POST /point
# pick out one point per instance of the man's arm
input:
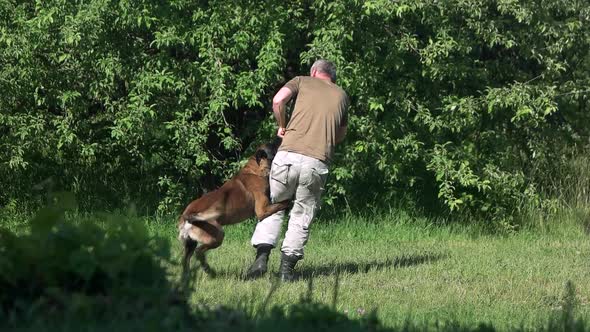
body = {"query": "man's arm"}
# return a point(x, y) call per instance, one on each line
point(278, 108)
point(340, 134)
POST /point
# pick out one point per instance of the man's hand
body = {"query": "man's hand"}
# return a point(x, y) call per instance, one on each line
point(281, 132)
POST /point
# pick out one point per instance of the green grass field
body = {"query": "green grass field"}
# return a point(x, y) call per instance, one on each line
point(404, 268)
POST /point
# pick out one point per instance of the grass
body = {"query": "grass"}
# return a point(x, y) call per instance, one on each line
point(403, 269)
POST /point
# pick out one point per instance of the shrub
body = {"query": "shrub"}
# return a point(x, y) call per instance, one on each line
point(463, 106)
point(58, 264)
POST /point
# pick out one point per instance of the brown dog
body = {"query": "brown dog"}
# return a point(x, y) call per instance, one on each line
point(244, 196)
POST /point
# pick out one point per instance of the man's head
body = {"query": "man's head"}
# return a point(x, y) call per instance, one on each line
point(323, 69)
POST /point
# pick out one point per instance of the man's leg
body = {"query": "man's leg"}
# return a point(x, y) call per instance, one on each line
point(268, 230)
point(282, 181)
point(307, 201)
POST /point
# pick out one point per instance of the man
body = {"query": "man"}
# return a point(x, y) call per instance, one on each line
point(300, 167)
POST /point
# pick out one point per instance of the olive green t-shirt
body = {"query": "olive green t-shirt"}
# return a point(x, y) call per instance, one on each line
point(320, 109)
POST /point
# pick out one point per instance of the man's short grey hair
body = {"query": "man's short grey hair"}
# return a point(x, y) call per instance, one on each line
point(326, 67)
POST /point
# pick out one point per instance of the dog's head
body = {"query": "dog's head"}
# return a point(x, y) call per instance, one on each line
point(267, 150)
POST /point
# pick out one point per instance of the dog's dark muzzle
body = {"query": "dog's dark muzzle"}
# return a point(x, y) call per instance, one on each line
point(268, 150)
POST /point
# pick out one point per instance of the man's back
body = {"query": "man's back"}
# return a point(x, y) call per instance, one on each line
point(320, 109)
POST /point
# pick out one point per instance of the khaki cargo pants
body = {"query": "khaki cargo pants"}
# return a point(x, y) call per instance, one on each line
point(301, 178)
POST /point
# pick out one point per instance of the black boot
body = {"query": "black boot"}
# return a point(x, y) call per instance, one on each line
point(287, 268)
point(259, 267)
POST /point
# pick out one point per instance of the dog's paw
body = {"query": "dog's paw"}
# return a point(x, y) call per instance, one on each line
point(211, 273)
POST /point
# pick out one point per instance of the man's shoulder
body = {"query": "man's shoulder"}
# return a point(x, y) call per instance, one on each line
point(317, 81)
point(341, 90)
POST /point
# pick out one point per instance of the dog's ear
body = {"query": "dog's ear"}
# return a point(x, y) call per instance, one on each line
point(260, 153)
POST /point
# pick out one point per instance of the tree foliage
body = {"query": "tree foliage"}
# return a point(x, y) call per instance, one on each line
point(465, 105)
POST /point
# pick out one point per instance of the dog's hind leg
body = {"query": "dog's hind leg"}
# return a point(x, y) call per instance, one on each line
point(200, 255)
point(209, 235)
point(189, 248)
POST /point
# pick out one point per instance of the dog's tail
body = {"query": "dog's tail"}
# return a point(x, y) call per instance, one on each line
point(192, 219)
point(199, 217)
point(184, 228)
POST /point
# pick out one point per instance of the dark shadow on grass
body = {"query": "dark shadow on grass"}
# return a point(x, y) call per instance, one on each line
point(220, 272)
point(308, 272)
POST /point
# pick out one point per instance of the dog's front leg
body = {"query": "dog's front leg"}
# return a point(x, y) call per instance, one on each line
point(264, 209)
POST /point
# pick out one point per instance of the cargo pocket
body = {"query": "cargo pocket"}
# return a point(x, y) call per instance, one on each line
point(280, 173)
point(316, 187)
point(319, 177)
